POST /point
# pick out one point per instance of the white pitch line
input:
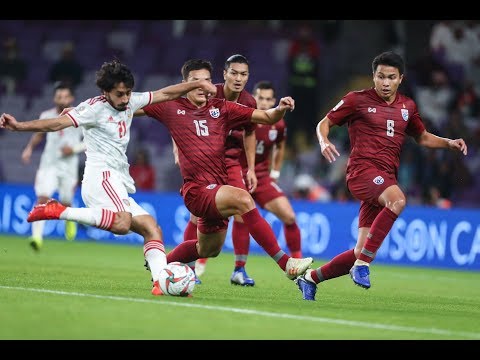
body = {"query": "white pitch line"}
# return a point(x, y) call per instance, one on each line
point(350, 323)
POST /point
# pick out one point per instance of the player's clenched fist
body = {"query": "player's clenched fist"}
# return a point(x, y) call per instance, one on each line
point(8, 122)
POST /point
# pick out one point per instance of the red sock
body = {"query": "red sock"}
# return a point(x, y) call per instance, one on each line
point(184, 252)
point(241, 243)
point(292, 237)
point(378, 231)
point(190, 232)
point(264, 236)
point(340, 265)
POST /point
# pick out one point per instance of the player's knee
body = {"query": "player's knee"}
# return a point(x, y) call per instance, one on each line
point(244, 202)
point(289, 219)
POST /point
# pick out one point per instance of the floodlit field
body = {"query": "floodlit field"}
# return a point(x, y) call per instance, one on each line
point(88, 290)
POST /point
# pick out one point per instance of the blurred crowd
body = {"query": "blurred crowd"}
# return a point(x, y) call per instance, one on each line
point(444, 81)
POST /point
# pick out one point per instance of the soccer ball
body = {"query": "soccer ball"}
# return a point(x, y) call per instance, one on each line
point(177, 279)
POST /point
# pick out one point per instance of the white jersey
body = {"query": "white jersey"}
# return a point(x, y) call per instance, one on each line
point(55, 141)
point(106, 134)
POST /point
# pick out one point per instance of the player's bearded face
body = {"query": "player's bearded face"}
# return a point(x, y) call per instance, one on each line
point(119, 97)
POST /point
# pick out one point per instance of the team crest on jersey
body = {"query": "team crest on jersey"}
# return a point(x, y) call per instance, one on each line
point(378, 180)
point(214, 112)
point(126, 202)
point(272, 134)
point(404, 114)
point(211, 186)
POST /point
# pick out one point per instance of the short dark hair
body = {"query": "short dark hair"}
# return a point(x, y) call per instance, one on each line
point(389, 58)
point(59, 85)
point(112, 73)
point(264, 85)
point(195, 64)
point(236, 59)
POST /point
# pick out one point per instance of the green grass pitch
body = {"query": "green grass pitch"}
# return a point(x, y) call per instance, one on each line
point(88, 290)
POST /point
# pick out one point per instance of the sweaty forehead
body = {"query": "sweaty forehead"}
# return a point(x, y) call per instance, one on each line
point(238, 67)
point(387, 70)
point(120, 87)
point(202, 74)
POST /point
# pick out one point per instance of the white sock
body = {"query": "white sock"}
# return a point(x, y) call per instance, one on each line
point(100, 218)
point(154, 252)
point(37, 229)
point(361, 262)
point(308, 276)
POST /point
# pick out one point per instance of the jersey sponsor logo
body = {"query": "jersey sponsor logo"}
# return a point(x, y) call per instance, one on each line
point(110, 119)
point(372, 110)
point(211, 186)
point(378, 180)
point(272, 134)
point(404, 114)
point(340, 103)
point(214, 112)
point(180, 112)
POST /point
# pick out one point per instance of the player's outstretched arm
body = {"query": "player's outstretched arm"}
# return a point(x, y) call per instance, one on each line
point(273, 115)
point(433, 141)
point(173, 92)
point(328, 149)
point(9, 122)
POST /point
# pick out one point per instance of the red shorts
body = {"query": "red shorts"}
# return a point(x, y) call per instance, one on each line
point(200, 201)
point(235, 176)
point(367, 184)
point(267, 190)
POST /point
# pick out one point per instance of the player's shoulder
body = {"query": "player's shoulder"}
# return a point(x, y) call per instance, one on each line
point(404, 99)
point(94, 102)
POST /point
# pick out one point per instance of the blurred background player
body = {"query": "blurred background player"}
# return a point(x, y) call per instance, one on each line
point(106, 186)
point(239, 141)
point(379, 120)
point(270, 149)
point(59, 163)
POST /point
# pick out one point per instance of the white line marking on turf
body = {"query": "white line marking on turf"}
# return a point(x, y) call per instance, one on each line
point(264, 313)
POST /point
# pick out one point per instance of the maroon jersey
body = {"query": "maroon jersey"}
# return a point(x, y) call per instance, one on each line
point(234, 144)
point(266, 137)
point(200, 134)
point(376, 130)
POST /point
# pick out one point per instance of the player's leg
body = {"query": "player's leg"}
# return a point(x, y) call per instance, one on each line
point(271, 197)
point(107, 205)
point(234, 201)
point(153, 245)
point(377, 189)
point(241, 248)
point(45, 185)
point(393, 202)
point(190, 233)
point(66, 192)
point(240, 234)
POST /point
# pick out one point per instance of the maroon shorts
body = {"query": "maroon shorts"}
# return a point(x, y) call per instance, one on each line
point(367, 184)
point(235, 176)
point(267, 190)
point(200, 201)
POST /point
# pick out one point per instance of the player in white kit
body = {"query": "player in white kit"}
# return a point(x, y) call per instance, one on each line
point(58, 168)
point(106, 184)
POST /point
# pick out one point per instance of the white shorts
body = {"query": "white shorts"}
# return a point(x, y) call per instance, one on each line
point(51, 179)
point(104, 189)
